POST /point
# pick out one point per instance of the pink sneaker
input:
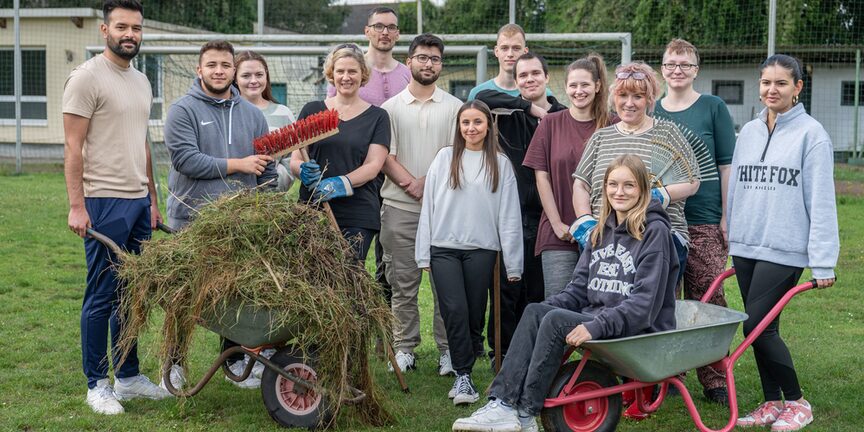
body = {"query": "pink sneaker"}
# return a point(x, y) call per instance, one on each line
point(764, 415)
point(795, 416)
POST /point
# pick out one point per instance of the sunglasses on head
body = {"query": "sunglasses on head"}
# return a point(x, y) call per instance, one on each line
point(350, 46)
point(634, 75)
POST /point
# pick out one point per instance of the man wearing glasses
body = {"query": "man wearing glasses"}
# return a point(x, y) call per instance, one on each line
point(422, 121)
point(389, 76)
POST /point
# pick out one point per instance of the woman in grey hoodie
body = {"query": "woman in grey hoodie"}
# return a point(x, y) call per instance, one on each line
point(623, 285)
point(782, 218)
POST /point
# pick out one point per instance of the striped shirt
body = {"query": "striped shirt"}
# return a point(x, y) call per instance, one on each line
point(656, 147)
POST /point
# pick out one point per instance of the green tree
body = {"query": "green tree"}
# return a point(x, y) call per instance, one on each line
point(305, 16)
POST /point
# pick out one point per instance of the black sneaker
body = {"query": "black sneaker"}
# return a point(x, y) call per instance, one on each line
point(465, 392)
point(718, 395)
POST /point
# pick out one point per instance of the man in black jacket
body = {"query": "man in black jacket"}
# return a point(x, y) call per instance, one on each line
point(517, 119)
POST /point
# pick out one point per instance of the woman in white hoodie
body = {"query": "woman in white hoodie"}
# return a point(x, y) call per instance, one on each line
point(782, 218)
point(470, 212)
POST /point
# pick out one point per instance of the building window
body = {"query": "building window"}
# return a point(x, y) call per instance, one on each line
point(280, 92)
point(847, 93)
point(461, 88)
point(732, 92)
point(151, 65)
point(34, 104)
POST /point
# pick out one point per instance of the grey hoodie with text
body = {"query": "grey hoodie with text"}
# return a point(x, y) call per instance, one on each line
point(628, 285)
point(780, 202)
point(202, 133)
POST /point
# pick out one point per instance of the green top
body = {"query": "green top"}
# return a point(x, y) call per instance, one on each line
point(707, 119)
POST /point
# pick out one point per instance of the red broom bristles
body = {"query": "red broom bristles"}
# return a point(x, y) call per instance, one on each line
point(301, 133)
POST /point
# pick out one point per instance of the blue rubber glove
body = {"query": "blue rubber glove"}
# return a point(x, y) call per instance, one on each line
point(310, 173)
point(662, 195)
point(333, 187)
point(582, 228)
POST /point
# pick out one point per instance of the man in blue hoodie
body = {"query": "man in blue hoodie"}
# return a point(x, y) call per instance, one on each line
point(209, 133)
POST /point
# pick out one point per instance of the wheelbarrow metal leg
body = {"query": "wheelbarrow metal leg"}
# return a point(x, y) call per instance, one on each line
point(220, 362)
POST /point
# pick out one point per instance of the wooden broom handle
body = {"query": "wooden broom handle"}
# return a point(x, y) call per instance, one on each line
point(391, 356)
point(305, 156)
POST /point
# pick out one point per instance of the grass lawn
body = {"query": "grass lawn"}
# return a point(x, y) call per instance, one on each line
point(42, 274)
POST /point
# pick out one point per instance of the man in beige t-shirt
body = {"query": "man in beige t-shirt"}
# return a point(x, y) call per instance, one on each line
point(422, 121)
point(109, 180)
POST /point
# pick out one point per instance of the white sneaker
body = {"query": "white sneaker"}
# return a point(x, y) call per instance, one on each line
point(178, 378)
point(466, 393)
point(493, 417)
point(237, 368)
point(258, 369)
point(138, 386)
point(404, 360)
point(102, 400)
point(445, 365)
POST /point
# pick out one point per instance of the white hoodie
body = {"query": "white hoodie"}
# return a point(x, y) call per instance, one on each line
point(780, 203)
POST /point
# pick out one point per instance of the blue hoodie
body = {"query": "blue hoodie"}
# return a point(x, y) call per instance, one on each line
point(202, 133)
point(780, 202)
point(628, 285)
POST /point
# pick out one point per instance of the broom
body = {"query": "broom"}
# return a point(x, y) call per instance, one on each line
point(298, 135)
point(670, 160)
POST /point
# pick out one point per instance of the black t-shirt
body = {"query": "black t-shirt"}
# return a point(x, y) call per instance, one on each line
point(345, 152)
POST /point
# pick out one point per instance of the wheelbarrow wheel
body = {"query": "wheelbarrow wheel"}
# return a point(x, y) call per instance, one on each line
point(290, 404)
point(596, 415)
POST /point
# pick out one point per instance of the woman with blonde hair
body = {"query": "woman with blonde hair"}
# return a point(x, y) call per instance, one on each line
point(633, 95)
point(623, 285)
point(343, 168)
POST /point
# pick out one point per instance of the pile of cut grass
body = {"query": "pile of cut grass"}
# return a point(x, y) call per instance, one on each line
point(265, 251)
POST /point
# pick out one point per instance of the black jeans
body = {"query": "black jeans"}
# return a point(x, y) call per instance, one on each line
point(762, 284)
point(535, 356)
point(462, 278)
point(515, 296)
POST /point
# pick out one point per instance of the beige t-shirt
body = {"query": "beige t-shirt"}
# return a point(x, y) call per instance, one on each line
point(117, 102)
point(418, 129)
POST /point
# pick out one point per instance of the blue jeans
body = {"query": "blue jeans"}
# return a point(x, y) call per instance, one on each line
point(535, 356)
point(682, 251)
point(127, 222)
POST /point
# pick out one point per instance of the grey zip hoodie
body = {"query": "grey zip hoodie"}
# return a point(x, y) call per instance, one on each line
point(780, 203)
point(628, 285)
point(202, 133)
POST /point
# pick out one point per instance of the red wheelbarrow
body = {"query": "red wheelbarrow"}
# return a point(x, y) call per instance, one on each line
point(586, 394)
point(289, 384)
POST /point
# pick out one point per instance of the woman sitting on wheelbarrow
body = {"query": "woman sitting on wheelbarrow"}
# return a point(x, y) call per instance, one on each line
point(623, 285)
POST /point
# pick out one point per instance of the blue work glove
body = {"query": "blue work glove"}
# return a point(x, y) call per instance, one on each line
point(310, 173)
point(582, 228)
point(333, 187)
point(662, 195)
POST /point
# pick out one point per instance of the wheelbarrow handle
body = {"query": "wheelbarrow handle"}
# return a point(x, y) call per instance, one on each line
point(165, 228)
point(105, 240)
point(767, 319)
point(718, 282)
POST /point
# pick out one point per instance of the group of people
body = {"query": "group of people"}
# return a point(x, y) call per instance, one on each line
point(566, 200)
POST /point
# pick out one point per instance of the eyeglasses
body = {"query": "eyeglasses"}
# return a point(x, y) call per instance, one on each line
point(392, 28)
point(625, 75)
point(423, 58)
point(684, 67)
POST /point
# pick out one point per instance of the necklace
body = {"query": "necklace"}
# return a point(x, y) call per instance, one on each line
point(631, 131)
